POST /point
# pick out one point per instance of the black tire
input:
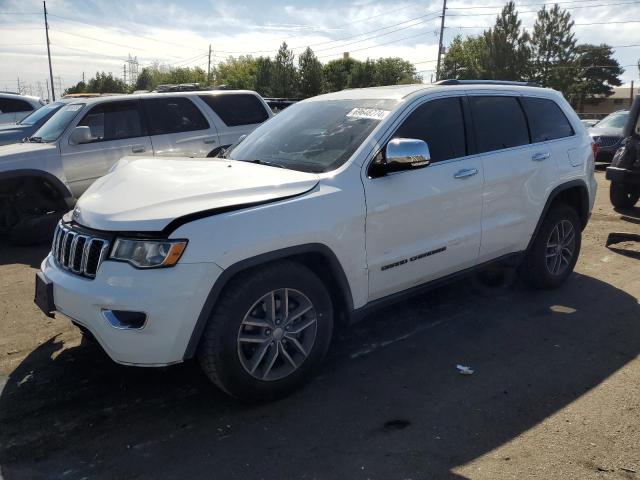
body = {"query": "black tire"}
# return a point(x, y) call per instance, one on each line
point(34, 230)
point(534, 270)
point(219, 351)
point(623, 195)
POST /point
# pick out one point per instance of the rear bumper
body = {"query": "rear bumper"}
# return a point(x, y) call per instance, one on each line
point(623, 175)
point(171, 298)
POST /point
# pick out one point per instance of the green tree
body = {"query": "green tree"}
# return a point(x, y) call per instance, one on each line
point(310, 74)
point(363, 74)
point(101, 83)
point(464, 59)
point(554, 49)
point(337, 73)
point(144, 80)
point(264, 72)
point(394, 71)
point(284, 76)
point(507, 53)
point(237, 72)
point(597, 73)
point(79, 87)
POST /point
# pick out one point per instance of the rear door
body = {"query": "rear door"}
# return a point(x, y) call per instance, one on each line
point(117, 130)
point(178, 128)
point(238, 113)
point(517, 172)
point(424, 224)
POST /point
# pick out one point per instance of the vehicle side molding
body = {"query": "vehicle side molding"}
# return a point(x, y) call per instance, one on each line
point(332, 263)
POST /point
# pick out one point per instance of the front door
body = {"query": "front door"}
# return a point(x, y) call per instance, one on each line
point(425, 224)
point(116, 131)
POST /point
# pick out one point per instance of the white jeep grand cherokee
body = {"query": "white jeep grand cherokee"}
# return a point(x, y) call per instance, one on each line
point(339, 204)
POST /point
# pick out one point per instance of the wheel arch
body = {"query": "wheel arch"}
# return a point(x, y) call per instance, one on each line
point(574, 194)
point(316, 256)
point(45, 178)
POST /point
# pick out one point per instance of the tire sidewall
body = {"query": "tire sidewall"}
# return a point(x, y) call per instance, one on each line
point(561, 212)
point(235, 379)
point(623, 195)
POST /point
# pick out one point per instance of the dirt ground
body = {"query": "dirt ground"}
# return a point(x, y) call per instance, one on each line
point(555, 393)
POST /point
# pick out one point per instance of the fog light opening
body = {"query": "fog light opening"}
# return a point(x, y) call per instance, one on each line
point(125, 320)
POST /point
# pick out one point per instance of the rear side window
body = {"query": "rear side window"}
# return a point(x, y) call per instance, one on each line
point(173, 115)
point(546, 120)
point(440, 123)
point(237, 109)
point(499, 123)
point(113, 121)
point(13, 105)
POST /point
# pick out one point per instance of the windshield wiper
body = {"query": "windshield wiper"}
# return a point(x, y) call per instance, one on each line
point(35, 139)
point(270, 164)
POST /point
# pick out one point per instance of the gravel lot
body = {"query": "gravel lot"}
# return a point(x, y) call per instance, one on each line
point(555, 393)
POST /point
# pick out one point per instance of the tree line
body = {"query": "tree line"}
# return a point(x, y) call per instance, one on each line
point(280, 77)
point(549, 55)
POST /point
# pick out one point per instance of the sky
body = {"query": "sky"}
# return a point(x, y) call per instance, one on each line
point(90, 35)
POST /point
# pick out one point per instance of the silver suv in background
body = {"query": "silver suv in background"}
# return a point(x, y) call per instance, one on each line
point(43, 177)
point(14, 107)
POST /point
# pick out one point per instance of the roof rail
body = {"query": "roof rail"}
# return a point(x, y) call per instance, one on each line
point(486, 82)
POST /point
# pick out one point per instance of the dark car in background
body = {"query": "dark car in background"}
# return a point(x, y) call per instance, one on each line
point(624, 171)
point(15, 132)
point(607, 134)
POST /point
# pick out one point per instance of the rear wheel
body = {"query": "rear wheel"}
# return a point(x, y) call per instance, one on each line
point(268, 333)
point(623, 195)
point(554, 252)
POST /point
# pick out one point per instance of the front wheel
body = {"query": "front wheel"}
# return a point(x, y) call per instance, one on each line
point(268, 333)
point(555, 249)
point(623, 195)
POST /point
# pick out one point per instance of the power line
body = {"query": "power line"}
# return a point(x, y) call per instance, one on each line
point(378, 45)
point(575, 24)
point(579, 2)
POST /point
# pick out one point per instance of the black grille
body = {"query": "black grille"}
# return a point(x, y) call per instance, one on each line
point(608, 141)
point(78, 252)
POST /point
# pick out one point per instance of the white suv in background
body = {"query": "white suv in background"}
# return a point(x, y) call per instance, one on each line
point(86, 137)
point(14, 107)
point(337, 205)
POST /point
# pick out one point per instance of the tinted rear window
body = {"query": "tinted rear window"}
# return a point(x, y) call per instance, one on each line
point(237, 109)
point(546, 120)
point(499, 123)
point(173, 115)
point(12, 105)
point(440, 123)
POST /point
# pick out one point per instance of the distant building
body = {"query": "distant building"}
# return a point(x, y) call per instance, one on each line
point(599, 107)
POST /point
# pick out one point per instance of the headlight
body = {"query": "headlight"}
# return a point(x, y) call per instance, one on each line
point(148, 253)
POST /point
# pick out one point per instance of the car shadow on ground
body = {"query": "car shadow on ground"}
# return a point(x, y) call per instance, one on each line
point(389, 402)
point(32, 255)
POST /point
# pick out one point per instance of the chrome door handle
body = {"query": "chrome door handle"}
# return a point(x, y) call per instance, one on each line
point(540, 156)
point(209, 140)
point(466, 172)
point(137, 149)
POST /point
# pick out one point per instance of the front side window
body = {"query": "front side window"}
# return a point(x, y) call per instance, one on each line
point(173, 115)
point(313, 136)
point(57, 124)
point(546, 119)
point(440, 123)
point(14, 105)
point(113, 121)
point(499, 123)
point(237, 108)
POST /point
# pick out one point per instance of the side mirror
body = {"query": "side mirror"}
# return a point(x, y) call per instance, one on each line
point(80, 135)
point(402, 154)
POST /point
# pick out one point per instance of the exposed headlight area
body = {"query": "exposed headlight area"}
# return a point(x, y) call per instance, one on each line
point(148, 253)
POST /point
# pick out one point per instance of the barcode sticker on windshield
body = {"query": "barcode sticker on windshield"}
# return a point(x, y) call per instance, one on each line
point(371, 113)
point(74, 108)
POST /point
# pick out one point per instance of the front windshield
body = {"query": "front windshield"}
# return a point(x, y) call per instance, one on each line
point(53, 128)
point(616, 120)
point(39, 114)
point(316, 136)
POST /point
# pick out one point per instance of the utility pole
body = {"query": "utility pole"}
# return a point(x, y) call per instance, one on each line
point(124, 73)
point(444, 9)
point(46, 27)
point(46, 81)
point(82, 77)
point(209, 67)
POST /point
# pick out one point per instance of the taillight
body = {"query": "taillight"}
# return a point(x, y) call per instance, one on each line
point(595, 148)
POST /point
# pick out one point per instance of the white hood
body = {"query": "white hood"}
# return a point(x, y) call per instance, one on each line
point(146, 194)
